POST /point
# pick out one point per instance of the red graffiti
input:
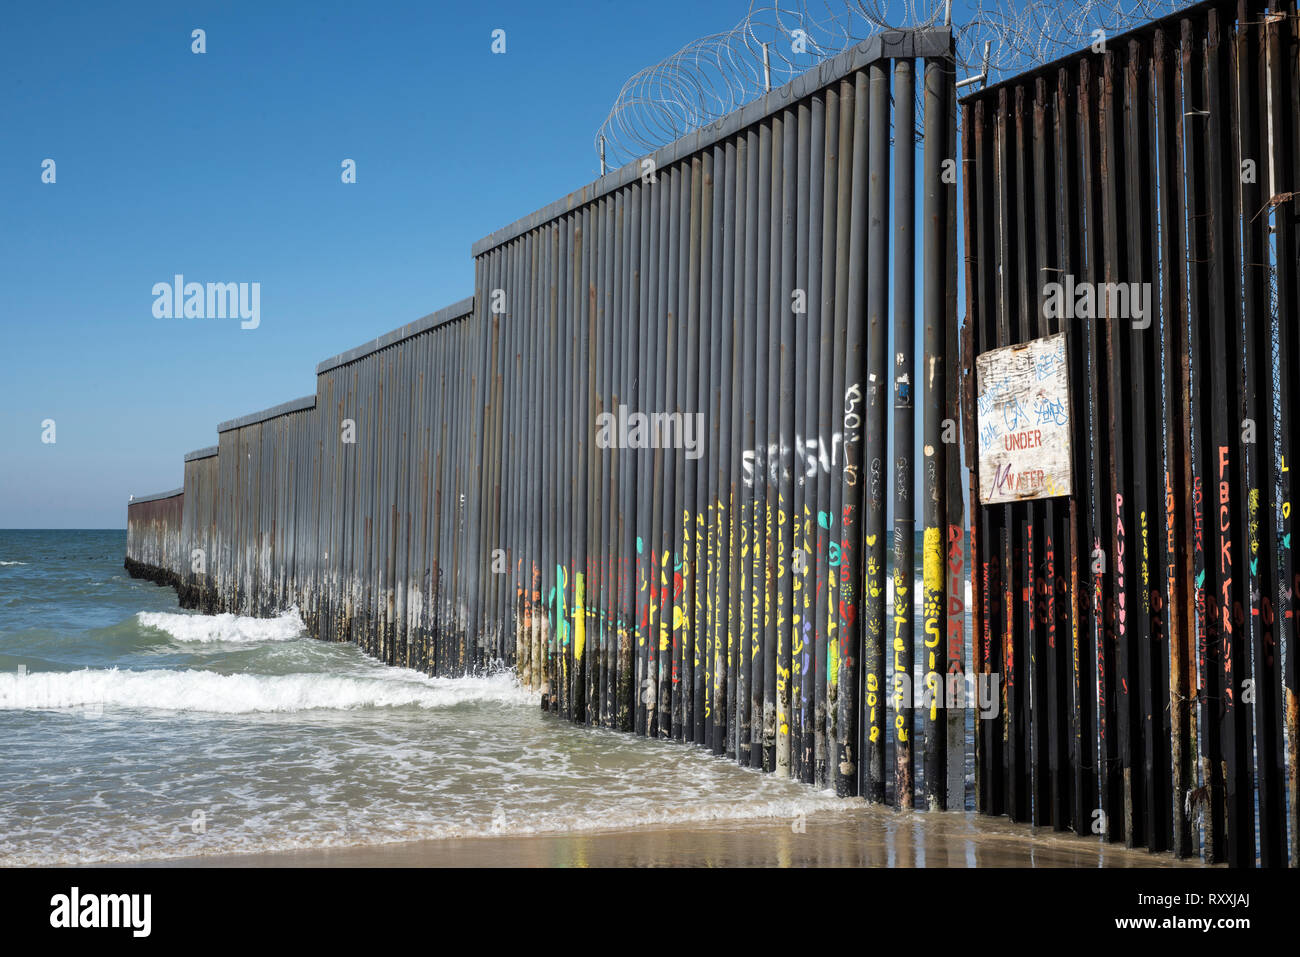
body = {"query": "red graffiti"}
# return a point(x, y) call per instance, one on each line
point(848, 613)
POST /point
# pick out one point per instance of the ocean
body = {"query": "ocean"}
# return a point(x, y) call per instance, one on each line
point(131, 730)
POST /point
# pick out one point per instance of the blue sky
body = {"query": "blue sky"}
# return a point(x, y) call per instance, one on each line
point(225, 166)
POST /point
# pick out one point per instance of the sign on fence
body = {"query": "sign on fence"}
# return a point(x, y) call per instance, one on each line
point(1024, 421)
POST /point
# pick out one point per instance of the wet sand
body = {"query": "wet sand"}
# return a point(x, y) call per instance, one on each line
point(857, 837)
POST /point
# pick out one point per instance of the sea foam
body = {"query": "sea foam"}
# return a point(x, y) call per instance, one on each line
point(235, 629)
point(209, 691)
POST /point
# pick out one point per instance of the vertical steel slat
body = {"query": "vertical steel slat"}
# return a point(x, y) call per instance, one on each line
point(702, 404)
point(760, 525)
point(1284, 177)
point(721, 481)
point(1279, 154)
point(828, 451)
point(736, 489)
point(1224, 275)
point(956, 571)
point(1200, 311)
point(1052, 787)
point(1010, 534)
point(670, 698)
point(785, 517)
point(934, 232)
point(865, 410)
point(1173, 541)
point(814, 666)
point(837, 689)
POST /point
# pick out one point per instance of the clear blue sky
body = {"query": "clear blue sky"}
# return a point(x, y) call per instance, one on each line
point(226, 167)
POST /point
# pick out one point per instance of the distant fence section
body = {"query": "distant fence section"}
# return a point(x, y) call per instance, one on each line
point(348, 504)
point(1143, 201)
point(154, 542)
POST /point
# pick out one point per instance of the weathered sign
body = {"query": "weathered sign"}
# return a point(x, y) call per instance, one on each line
point(1024, 421)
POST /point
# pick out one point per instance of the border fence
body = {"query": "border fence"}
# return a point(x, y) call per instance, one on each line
point(690, 460)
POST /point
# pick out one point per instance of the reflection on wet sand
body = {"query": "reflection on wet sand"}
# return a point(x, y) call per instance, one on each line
point(857, 837)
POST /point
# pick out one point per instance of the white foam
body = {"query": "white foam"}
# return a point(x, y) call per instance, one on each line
point(234, 629)
point(13, 563)
point(626, 816)
point(209, 691)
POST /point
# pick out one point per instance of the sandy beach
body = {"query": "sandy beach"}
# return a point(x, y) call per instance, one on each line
point(857, 837)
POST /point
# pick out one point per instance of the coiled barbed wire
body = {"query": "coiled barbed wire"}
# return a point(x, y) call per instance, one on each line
point(780, 39)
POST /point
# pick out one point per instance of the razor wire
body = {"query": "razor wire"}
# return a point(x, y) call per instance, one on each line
point(715, 75)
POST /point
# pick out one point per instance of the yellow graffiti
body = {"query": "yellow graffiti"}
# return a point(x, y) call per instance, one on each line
point(579, 616)
point(1142, 524)
point(874, 577)
point(933, 578)
point(873, 698)
point(901, 664)
point(767, 569)
point(932, 685)
point(1253, 504)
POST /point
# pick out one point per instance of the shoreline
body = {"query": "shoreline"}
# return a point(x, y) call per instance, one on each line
point(856, 837)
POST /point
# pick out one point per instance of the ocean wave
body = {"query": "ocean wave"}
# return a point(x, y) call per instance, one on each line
point(13, 563)
point(209, 691)
point(235, 629)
